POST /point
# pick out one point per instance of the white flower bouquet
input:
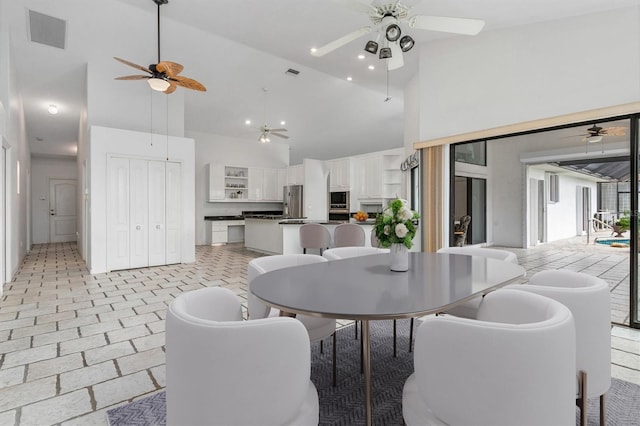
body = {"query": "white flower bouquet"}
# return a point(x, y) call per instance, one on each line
point(395, 224)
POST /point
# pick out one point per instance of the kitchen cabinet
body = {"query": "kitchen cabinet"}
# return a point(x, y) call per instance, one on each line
point(340, 174)
point(256, 179)
point(270, 185)
point(220, 230)
point(282, 182)
point(235, 183)
point(379, 177)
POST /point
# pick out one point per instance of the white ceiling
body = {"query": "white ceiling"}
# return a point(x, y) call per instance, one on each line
point(327, 116)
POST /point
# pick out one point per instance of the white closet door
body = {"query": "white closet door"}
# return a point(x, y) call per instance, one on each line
point(139, 213)
point(173, 213)
point(157, 230)
point(118, 214)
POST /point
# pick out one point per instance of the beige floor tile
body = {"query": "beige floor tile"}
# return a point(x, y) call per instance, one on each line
point(108, 352)
point(87, 376)
point(11, 376)
point(54, 366)
point(122, 389)
point(82, 344)
point(27, 356)
point(26, 393)
point(57, 409)
point(141, 361)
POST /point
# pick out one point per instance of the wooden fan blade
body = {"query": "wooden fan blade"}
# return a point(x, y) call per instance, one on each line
point(131, 64)
point(189, 83)
point(172, 88)
point(278, 130)
point(279, 135)
point(133, 77)
point(171, 69)
point(616, 131)
point(576, 136)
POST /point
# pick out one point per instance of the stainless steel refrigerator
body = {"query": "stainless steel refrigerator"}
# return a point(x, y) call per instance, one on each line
point(293, 205)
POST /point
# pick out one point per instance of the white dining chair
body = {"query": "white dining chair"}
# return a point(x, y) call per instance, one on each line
point(318, 328)
point(514, 365)
point(589, 300)
point(469, 309)
point(222, 370)
point(348, 235)
point(314, 236)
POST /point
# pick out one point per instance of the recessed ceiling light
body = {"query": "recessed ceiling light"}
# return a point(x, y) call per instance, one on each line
point(247, 121)
point(282, 123)
point(371, 67)
point(361, 56)
point(52, 109)
point(349, 78)
point(313, 50)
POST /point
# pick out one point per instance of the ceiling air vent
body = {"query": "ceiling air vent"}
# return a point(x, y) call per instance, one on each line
point(47, 30)
point(292, 72)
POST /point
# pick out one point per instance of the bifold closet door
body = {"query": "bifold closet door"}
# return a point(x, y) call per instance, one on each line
point(118, 219)
point(173, 213)
point(139, 213)
point(157, 202)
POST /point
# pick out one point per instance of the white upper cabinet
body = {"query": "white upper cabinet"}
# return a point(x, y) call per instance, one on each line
point(270, 185)
point(216, 182)
point(340, 174)
point(256, 179)
point(378, 177)
point(238, 183)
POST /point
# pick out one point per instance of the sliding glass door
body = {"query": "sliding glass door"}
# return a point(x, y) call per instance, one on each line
point(634, 301)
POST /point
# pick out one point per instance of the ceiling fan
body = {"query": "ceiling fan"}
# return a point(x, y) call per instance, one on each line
point(163, 76)
point(596, 133)
point(386, 19)
point(266, 131)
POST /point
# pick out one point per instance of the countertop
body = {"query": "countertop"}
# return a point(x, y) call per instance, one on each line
point(224, 217)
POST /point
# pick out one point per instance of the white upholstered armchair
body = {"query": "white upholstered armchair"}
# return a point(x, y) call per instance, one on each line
point(514, 365)
point(589, 300)
point(225, 371)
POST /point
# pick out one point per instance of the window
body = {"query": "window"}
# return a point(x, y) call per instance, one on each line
point(472, 153)
point(554, 188)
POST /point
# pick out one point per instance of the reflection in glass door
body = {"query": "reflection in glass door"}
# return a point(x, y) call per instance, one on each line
point(470, 198)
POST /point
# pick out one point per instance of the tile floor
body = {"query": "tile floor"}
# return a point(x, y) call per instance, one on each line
point(73, 345)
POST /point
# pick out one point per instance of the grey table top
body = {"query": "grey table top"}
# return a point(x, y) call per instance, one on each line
point(364, 287)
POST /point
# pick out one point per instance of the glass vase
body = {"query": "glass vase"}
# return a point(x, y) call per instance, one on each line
point(399, 254)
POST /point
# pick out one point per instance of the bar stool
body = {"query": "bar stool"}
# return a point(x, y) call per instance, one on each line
point(348, 235)
point(374, 239)
point(314, 236)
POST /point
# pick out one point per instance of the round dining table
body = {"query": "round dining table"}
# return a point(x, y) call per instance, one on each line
point(364, 289)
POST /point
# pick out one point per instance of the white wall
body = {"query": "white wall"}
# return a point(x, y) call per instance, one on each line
point(105, 142)
point(13, 139)
point(233, 152)
point(42, 170)
point(530, 72)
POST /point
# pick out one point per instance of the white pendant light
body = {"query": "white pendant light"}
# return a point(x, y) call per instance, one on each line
point(158, 84)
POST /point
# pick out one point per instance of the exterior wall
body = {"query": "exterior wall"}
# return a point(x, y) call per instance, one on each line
point(43, 169)
point(104, 142)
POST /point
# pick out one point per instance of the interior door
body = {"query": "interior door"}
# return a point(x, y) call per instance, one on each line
point(138, 213)
point(62, 210)
point(157, 230)
point(173, 213)
point(118, 214)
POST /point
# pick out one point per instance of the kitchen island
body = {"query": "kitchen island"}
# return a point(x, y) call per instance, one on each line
point(275, 235)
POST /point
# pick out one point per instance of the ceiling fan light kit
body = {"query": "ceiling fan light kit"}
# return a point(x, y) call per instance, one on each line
point(371, 47)
point(388, 19)
point(385, 53)
point(594, 139)
point(158, 84)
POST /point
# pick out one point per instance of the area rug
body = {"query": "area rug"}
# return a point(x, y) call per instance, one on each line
point(343, 405)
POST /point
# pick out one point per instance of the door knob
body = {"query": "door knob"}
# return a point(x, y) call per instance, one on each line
point(138, 227)
point(158, 226)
